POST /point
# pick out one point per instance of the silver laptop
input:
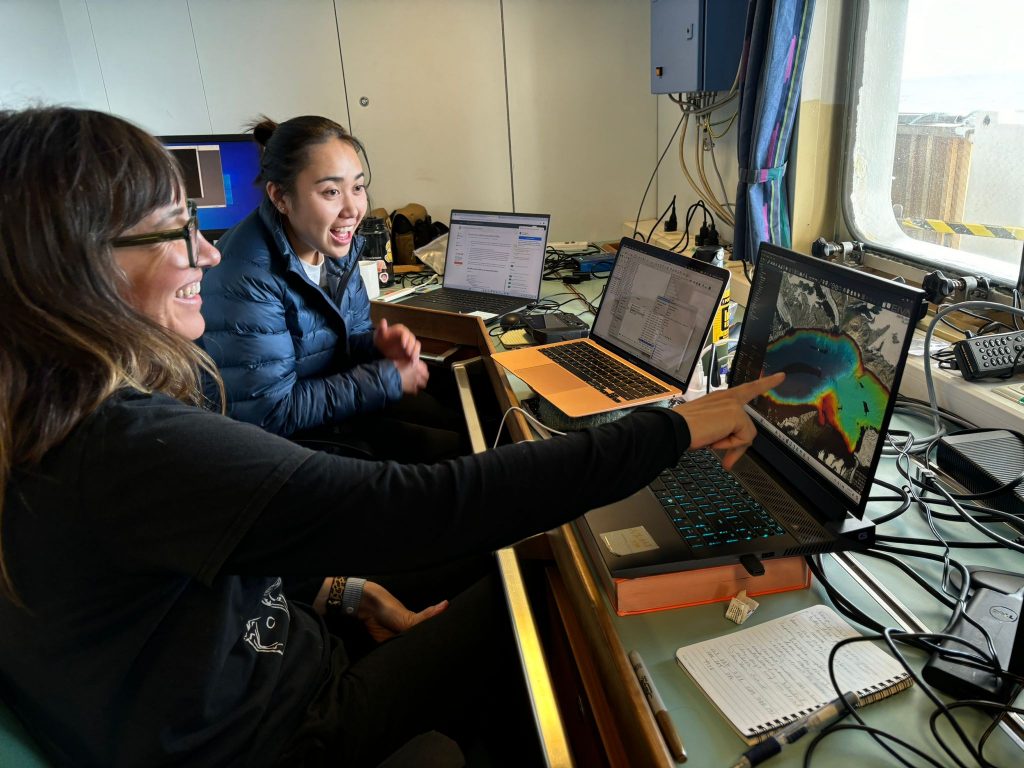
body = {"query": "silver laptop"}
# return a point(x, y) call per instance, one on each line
point(841, 336)
point(493, 265)
point(652, 324)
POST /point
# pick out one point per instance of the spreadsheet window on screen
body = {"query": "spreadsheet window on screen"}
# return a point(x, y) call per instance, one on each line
point(654, 308)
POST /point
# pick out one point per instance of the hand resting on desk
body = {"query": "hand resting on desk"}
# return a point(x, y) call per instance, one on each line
point(718, 420)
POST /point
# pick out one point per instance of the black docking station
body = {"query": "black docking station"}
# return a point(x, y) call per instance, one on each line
point(995, 604)
point(984, 460)
point(555, 326)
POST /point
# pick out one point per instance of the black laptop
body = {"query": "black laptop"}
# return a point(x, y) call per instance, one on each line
point(841, 336)
point(494, 264)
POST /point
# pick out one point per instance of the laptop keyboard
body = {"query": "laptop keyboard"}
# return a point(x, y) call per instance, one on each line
point(708, 506)
point(455, 300)
point(613, 379)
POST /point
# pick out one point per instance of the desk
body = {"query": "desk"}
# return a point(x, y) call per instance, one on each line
point(574, 647)
point(594, 640)
point(708, 738)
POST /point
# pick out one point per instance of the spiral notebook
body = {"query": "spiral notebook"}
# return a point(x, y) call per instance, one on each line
point(764, 677)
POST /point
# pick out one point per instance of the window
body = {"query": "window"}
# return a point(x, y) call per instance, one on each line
point(935, 156)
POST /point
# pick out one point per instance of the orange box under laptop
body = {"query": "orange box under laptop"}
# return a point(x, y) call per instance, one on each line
point(680, 589)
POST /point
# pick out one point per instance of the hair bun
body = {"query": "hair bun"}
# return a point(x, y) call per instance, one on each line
point(263, 129)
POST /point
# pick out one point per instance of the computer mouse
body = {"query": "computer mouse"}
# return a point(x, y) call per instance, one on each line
point(511, 320)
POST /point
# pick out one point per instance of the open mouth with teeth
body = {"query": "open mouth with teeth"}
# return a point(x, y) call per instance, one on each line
point(342, 235)
point(188, 292)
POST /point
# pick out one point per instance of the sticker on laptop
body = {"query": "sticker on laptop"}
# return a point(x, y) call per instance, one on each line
point(628, 541)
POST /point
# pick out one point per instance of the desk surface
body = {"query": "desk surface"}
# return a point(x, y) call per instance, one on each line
point(708, 738)
point(599, 639)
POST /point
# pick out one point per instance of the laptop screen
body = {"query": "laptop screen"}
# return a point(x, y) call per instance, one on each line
point(220, 175)
point(500, 253)
point(658, 308)
point(841, 336)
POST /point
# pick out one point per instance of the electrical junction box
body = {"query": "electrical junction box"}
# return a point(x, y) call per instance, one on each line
point(696, 44)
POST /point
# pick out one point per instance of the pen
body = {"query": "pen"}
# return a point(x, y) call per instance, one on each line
point(828, 714)
point(675, 746)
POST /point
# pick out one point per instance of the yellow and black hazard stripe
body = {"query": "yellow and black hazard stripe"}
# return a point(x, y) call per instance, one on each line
point(960, 228)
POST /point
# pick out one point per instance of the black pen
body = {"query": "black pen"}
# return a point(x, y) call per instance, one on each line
point(828, 714)
point(675, 745)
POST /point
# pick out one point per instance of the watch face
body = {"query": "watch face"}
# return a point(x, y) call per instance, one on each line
point(383, 273)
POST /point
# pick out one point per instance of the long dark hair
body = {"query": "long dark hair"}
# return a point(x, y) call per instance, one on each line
point(70, 181)
point(285, 146)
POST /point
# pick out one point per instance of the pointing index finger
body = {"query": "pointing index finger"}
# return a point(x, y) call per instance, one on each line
point(748, 391)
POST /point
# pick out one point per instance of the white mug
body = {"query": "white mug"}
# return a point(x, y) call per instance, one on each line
point(368, 271)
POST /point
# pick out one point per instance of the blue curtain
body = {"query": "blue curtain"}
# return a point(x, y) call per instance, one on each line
point(774, 51)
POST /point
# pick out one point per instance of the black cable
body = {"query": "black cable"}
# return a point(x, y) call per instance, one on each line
point(654, 173)
point(1004, 710)
point(956, 328)
point(1013, 368)
point(886, 539)
point(684, 241)
point(903, 498)
point(965, 585)
point(819, 737)
point(880, 554)
point(668, 208)
point(888, 635)
point(1010, 544)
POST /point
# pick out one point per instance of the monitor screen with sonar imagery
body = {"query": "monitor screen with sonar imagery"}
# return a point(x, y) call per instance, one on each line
point(841, 338)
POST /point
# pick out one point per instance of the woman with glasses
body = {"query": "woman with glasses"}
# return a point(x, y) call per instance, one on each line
point(142, 538)
point(288, 317)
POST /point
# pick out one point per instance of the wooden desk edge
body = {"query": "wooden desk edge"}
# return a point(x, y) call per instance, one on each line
point(625, 696)
point(634, 720)
point(548, 718)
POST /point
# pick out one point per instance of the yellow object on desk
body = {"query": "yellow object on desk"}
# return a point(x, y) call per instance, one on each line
point(514, 338)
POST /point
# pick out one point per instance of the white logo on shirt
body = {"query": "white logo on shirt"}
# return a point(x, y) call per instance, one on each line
point(260, 632)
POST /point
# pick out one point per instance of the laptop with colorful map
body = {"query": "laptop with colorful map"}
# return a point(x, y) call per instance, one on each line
point(841, 336)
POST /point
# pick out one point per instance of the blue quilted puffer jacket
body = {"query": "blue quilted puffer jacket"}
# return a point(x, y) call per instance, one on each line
point(293, 356)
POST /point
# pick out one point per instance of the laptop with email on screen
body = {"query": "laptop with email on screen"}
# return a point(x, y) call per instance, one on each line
point(647, 338)
point(494, 264)
point(841, 336)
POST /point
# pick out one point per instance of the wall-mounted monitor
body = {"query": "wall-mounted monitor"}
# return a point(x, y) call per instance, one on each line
point(220, 171)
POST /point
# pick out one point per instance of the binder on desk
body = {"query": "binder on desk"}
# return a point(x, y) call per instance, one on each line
point(764, 677)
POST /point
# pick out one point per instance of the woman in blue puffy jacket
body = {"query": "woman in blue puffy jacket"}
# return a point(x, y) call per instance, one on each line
point(287, 315)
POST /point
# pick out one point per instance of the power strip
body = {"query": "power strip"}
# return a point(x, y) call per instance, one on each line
point(571, 246)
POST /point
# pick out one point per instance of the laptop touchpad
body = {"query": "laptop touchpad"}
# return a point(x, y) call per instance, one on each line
point(552, 378)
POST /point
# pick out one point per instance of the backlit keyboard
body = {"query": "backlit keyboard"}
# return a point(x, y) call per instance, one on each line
point(708, 506)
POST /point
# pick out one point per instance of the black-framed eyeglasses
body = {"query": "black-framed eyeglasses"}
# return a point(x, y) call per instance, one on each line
point(189, 233)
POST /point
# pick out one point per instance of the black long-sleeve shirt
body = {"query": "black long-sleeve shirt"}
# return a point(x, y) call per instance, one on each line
point(141, 644)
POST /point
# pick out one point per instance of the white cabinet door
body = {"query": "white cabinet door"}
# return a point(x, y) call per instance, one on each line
point(35, 59)
point(147, 57)
point(583, 120)
point(268, 57)
point(434, 122)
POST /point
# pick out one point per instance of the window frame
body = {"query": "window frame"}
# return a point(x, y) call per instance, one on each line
point(873, 99)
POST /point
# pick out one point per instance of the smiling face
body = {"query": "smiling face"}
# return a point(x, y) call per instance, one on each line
point(161, 284)
point(327, 203)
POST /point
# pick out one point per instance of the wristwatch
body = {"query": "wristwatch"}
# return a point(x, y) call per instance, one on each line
point(345, 594)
